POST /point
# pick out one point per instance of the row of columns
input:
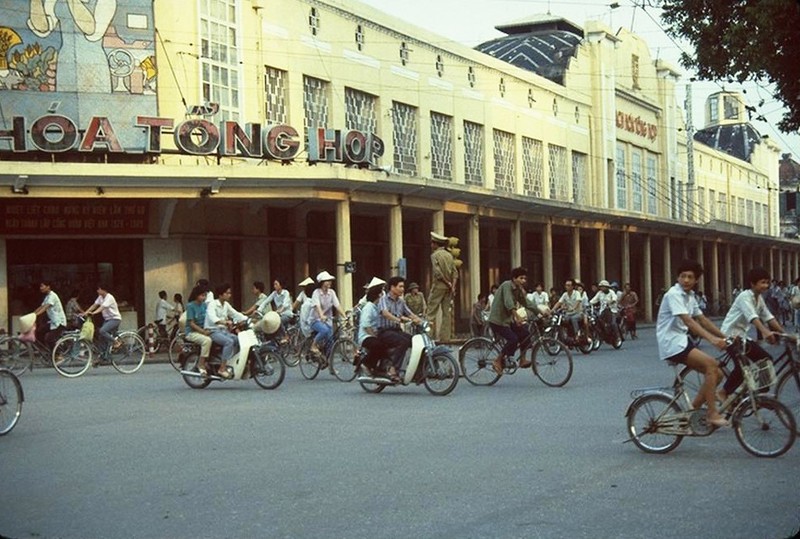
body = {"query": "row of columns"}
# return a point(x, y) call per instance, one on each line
point(782, 264)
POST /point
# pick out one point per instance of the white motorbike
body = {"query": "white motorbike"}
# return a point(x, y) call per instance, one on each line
point(425, 363)
point(260, 361)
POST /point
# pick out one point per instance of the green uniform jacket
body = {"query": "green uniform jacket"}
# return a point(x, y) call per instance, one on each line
point(444, 267)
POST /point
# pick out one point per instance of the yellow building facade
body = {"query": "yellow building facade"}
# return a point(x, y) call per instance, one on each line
point(244, 140)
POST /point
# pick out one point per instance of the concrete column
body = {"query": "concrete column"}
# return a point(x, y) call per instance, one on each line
point(779, 255)
point(547, 255)
point(301, 269)
point(647, 288)
point(576, 254)
point(438, 222)
point(4, 316)
point(667, 258)
point(344, 281)
point(715, 287)
point(771, 262)
point(474, 253)
point(740, 266)
point(626, 257)
point(395, 237)
point(516, 246)
point(701, 283)
point(727, 281)
point(601, 255)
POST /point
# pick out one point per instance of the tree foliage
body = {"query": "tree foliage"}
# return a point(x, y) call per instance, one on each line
point(741, 40)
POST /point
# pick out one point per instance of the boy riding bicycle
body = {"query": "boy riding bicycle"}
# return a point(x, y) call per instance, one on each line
point(679, 313)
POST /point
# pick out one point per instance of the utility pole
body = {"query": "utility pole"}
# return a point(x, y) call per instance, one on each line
point(690, 184)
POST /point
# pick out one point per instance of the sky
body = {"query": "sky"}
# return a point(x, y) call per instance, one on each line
point(471, 22)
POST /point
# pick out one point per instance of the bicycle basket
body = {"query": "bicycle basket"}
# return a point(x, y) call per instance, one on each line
point(760, 374)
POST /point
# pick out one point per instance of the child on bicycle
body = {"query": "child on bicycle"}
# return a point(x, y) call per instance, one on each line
point(749, 308)
point(505, 322)
point(679, 313)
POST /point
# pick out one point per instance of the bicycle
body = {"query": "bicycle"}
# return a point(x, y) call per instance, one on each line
point(659, 418)
point(11, 398)
point(19, 354)
point(551, 359)
point(72, 355)
point(171, 340)
point(338, 355)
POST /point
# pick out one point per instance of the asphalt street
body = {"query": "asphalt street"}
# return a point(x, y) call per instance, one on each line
point(108, 455)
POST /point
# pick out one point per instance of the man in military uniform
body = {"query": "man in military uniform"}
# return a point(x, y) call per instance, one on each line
point(415, 300)
point(443, 286)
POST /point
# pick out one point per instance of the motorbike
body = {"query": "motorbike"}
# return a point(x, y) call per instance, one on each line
point(560, 329)
point(259, 360)
point(425, 363)
point(602, 330)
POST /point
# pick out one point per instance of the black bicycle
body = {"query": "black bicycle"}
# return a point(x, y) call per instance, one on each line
point(11, 398)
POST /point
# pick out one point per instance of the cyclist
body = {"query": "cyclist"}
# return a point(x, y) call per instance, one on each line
point(607, 299)
point(163, 308)
point(195, 320)
point(261, 306)
point(506, 323)
point(749, 308)
point(572, 302)
point(55, 313)
point(325, 302)
point(221, 317)
point(680, 313)
point(282, 300)
point(107, 304)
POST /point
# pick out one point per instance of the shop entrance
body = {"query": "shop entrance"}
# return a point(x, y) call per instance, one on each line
point(76, 265)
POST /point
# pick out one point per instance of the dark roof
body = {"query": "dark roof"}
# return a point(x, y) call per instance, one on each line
point(737, 140)
point(541, 45)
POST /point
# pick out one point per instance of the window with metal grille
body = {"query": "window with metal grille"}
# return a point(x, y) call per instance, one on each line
point(404, 133)
point(652, 184)
point(559, 174)
point(441, 146)
point(439, 65)
point(277, 96)
point(471, 76)
point(712, 204)
point(315, 104)
point(742, 217)
point(505, 173)
point(473, 153)
point(361, 111)
point(723, 207)
point(313, 21)
point(636, 176)
point(580, 180)
point(701, 203)
point(750, 219)
point(219, 57)
point(403, 53)
point(622, 179)
point(532, 167)
point(360, 37)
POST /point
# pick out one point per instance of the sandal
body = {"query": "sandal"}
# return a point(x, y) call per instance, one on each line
point(718, 422)
point(203, 372)
point(226, 373)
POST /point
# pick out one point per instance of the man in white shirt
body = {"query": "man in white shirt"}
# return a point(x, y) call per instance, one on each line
point(749, 308)
point(607, 300)
point(679, 313)
point(572, 302)
point(220, 319)
point(261, 306)
point(51, 304)
point(107, 304)
point(163, 308)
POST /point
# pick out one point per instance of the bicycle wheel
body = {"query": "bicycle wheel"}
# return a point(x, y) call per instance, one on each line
point(476, 357)
point(441, 373)
point(192, 377)
point(291, 350)
point(645, 423)
point(15, 355)
point(764, 427)
point(555, 370)
point(72, 356)
point(788, 392)
point(267, 368)
point(309, 362)
point(342, 355)
point(127, 352)
point(11, 398)
point(617, 342)
point(597, 340)
point(174, 352)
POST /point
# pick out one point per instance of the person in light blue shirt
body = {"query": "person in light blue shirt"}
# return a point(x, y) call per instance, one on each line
point(368, 326)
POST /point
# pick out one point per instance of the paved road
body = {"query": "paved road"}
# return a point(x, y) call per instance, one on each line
point(108, 455)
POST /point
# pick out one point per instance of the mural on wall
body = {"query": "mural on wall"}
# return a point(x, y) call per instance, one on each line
point(78, 58)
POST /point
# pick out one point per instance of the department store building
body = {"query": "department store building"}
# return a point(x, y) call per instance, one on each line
point(244, 140)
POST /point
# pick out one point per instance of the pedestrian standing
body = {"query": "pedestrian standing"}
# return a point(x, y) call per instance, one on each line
point(416, 300)
point(477, 319)
point(443, 286)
